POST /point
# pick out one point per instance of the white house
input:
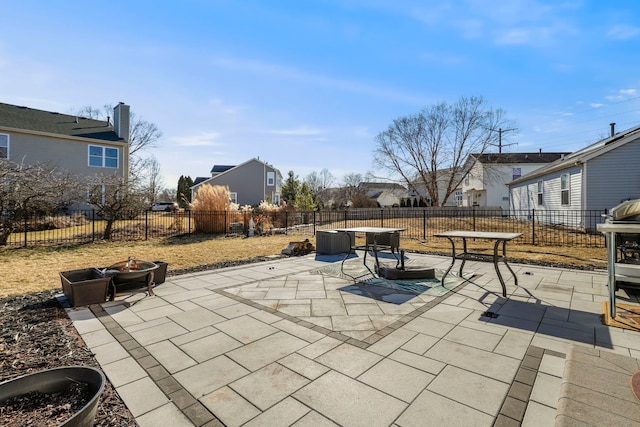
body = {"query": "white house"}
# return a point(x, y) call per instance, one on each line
point(485, 183)
point(595, 178)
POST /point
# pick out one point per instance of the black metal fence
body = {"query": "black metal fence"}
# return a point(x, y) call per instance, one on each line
point(538, 227)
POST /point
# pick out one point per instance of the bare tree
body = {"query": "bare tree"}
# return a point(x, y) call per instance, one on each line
point(25, 188)
point(350, 184)
point(318, 181)
point(114, 199)
point(150, 182)
point(429, 149)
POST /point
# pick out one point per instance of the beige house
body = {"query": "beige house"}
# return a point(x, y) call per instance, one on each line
point(387, 194)
point(82, 146)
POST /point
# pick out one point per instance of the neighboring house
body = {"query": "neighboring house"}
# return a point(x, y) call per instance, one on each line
point(597, 177)
point(85, 147)
point(249, 183)
point(385, 193)
point(333, 198)
point(418, 189)
point(485, 183)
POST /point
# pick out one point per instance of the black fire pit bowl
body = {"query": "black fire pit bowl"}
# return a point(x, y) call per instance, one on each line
point(57, 380)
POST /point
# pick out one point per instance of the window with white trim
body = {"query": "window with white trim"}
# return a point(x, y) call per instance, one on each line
point(103, 157)
point(565, 186)
point(4, 146)
point(457, 195)
point(540, 192)
point(234, 197)
point(271, 178)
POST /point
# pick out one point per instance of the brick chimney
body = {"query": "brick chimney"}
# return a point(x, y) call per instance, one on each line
point(121, 117)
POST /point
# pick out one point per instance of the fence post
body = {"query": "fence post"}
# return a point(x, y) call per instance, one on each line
point(381, 217)
point(93, 225)
point(424, 224)
point(189, 222)
point(286, 222)
point(473, 213)
point(26, 224)
point(345, 218)
point(146, 224)
point(533, 226)
point(314, 223)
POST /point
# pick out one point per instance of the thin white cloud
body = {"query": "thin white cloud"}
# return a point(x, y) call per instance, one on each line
point(299, 131)
point(292, 73)
point(516, 22)
point(199, 140)
point(622, 94)
point(221, 107)
point(623, 32)
point(596, 105)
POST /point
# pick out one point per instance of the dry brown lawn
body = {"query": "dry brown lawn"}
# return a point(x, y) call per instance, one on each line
point(33, 269)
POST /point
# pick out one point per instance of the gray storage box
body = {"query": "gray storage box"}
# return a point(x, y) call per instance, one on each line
point(331, 242)
point(86, 286)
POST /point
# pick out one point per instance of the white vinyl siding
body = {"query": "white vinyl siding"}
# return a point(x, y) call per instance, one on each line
point(613, 177)
point(103, 157)
point(4, 146)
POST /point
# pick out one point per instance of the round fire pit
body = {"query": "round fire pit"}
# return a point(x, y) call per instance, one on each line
point(132, 273)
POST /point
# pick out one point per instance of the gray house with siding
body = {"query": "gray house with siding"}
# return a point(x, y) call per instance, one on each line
point(85, 147)
point(595, 178)
point(249, 183)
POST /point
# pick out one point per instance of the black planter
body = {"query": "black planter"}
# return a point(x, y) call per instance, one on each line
point(161, 272)
point(57, 380)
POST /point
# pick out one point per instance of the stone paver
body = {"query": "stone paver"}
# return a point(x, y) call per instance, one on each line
point(272, 344)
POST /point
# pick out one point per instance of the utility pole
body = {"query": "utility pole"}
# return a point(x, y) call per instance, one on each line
point(500, 130)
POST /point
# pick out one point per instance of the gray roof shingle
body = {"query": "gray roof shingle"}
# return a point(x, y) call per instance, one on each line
point(18, 117)
point(539, 157)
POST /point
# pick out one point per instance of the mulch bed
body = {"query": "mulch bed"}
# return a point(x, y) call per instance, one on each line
point(37, 334)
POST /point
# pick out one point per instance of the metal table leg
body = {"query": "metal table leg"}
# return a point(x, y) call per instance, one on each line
point(453, 259)
point(611, 270)
point(495, 265)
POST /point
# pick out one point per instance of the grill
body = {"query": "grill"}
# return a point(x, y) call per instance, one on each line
point(622, 232)
point(626, 214)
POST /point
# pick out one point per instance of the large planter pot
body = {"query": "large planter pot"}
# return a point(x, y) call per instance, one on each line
point(57, 380)
point(86, 286)
point(160, 273)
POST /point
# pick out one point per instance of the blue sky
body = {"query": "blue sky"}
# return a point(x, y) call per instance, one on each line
point(307, 85)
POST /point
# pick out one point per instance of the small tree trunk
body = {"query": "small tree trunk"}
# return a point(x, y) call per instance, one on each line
point(108, 229)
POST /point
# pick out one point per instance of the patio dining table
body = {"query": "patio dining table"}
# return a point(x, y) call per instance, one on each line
point(499, 239)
